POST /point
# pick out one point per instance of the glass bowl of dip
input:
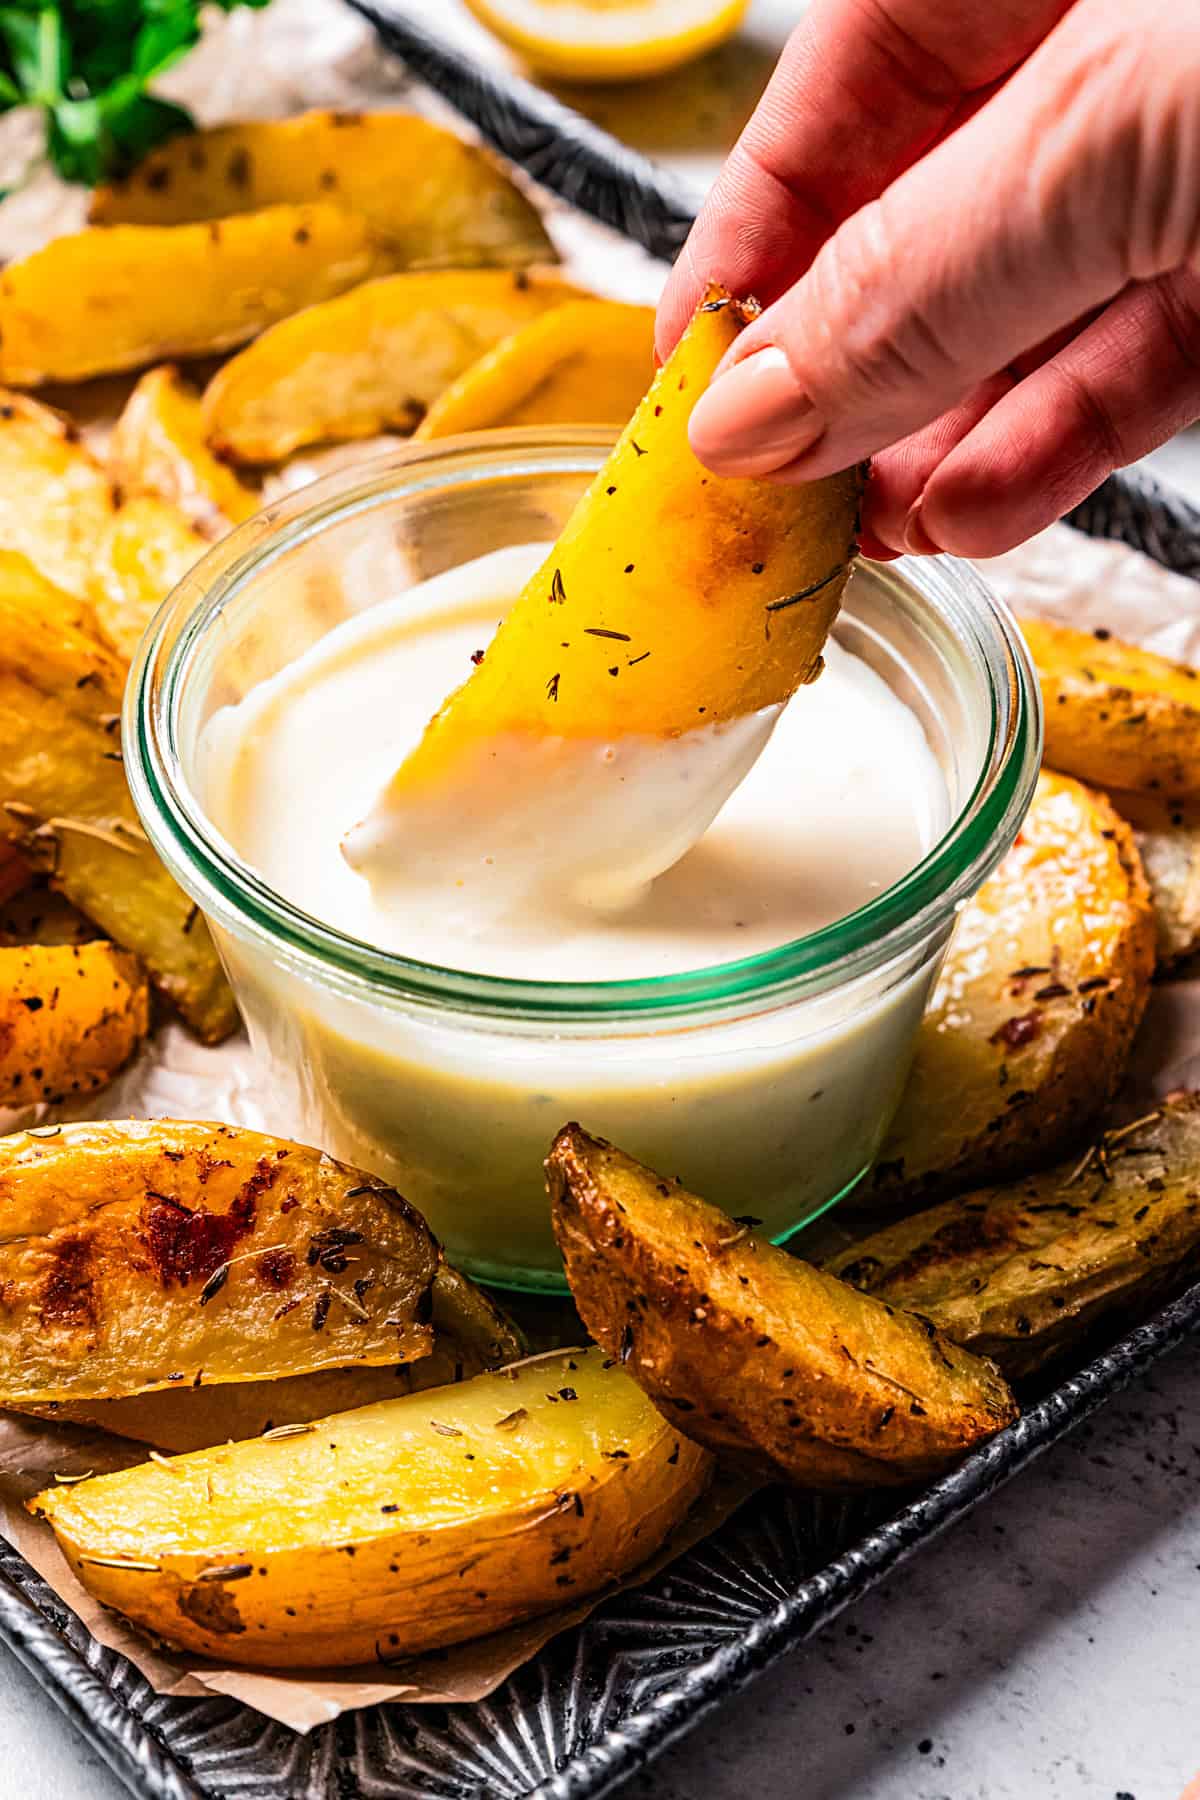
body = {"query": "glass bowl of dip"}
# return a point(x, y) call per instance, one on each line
point(766, 1081)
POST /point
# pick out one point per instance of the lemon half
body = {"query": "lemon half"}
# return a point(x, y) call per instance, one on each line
point(609, 40)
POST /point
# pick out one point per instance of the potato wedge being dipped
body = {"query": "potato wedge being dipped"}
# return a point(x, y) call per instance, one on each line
point(1116, 715)
point(585, 363)
point(673, 617)
point(470, 1334)
point(64, 801)
point(373, 360)
point(757, 1355)
point(437, 201)
point(1036, 1007)
point(1022, 1273)
point(157, 447)
point(143, 1254)
point(104, 300)
point(394, 1529)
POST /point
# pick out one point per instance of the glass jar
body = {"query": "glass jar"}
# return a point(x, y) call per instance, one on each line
point(765, 1083)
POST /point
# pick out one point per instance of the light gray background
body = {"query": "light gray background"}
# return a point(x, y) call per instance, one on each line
point(1047, 1649)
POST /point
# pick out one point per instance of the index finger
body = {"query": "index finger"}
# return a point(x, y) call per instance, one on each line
point(862, 89)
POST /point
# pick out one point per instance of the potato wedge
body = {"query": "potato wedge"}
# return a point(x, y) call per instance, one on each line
point(1116, 715)
point(55, 499)
point(71, 1016)
point(440, 203)
point(371, 361)
point(65, 805)
point(1034, 1014)
point(394, 1529)
point(583, 364)
point(99, 301)
point(157, 447)
point(1167, 834)
point(632, 581)
point(148, 547)
point(470, 1334)
point(752, 1352)
point(146, 1254)
point(1024, 1272)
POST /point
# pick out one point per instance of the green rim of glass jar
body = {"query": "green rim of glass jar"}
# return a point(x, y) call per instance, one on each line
point(237, 899)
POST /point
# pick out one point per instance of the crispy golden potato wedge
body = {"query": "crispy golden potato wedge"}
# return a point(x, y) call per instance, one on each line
point(1116, 715)
point(752, 1352)
point(631, 581)
point(55, 499)
point(1034, 1014)
point(157, 447)
point(587, 363)
point(147, 548)
point(394, 1529)
point(71, 1016)
point(436, 201)
point(143, 1254)
point(470, 1334)
point(1167, 834)
point(1022, 1273)
point(371, 361)
point(65, 805)
point(99, 301)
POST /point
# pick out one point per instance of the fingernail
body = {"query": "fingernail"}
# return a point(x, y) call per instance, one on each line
point(917, 540)
point(754, 417)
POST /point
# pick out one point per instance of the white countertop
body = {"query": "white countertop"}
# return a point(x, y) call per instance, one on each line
point(1045, 1650)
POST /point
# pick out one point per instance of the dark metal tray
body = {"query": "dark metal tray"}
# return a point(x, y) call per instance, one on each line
point(601, 1700)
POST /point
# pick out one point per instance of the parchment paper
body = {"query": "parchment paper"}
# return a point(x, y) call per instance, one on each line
point(303, 53)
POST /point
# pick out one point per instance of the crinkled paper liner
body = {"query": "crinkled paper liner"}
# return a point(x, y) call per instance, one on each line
point(310, 53)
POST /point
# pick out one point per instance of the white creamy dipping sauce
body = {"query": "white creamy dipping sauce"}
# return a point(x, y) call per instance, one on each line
point(845, 797)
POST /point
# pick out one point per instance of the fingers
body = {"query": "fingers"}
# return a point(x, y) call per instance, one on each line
point(1076, 176)
point(899, 476)
point(1126, 384)
point(862, 88)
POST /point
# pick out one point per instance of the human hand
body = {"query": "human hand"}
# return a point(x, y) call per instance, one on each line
point(975, 229)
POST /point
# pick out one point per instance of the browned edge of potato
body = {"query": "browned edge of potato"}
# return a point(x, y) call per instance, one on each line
point(1023, 1273)
point(1031, 1023)
point(761, 1357)
point(71, 1017)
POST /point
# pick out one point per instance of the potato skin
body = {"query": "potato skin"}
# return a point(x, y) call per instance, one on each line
point(55, 499)
point(755, 1354)
point(1036, 1008)
point(71, 1016)
point(394, 1529)
point(143, 1254)
point(1023, 1273)
point(1116, 715)
point(370, 361)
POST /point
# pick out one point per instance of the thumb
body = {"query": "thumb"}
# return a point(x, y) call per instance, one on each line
point(1079, 175)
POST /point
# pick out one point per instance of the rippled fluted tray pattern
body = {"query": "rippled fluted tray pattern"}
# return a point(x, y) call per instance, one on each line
point(601, 1700)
